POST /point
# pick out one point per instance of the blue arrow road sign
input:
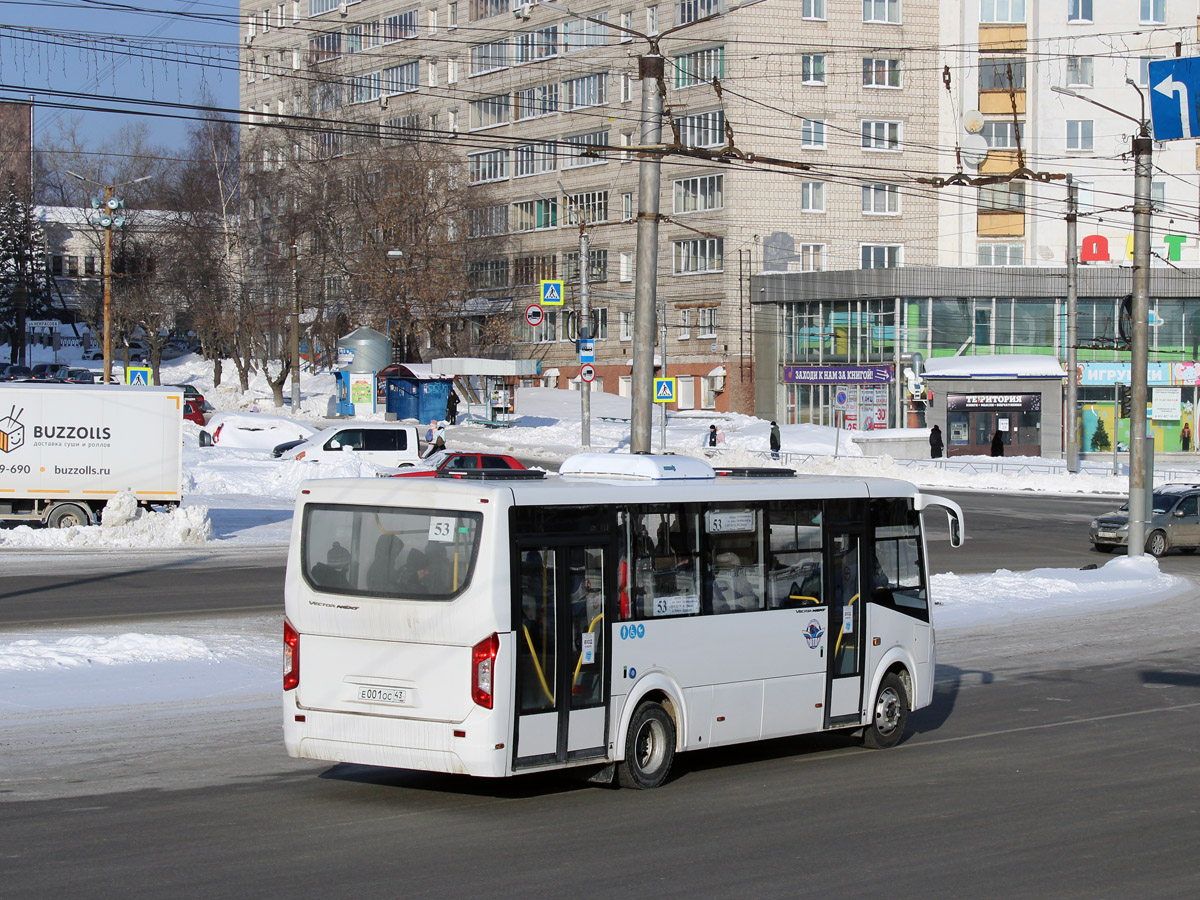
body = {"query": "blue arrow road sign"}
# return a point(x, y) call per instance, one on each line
point(1174, 93)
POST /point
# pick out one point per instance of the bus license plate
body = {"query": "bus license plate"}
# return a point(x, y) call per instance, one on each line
point(383, 695)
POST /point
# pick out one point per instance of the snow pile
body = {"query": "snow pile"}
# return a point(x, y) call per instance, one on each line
point(1004, 596)
point(90, 650)
point(129, 527)
point(215, 472)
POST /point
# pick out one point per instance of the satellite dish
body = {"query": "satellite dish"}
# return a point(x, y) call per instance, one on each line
point(973, 121)
point(974, 150)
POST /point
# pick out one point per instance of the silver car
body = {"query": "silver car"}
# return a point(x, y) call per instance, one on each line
point(1175, 522)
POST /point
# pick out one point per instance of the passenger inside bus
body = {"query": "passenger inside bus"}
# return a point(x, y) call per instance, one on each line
point(385, 567)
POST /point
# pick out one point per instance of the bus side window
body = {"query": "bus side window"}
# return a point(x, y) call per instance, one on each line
point(665, 573)
point(897, 568)
point(735, 557)
point(794, 566)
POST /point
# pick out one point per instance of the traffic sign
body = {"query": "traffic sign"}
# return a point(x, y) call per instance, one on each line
point(534, 315)
point(552, 293)
point(840, 398)
point(1174, 91)
point(664, 390)
point(138, 375)
point(588, 373)
point(587, 351)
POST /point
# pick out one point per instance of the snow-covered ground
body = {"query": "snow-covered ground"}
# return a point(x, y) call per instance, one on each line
point(243, 499)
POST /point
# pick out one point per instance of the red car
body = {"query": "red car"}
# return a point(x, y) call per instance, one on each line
point(449, 460)
point(193, 412)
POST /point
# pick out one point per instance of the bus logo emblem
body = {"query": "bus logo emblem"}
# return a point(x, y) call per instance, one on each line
point(813, 634)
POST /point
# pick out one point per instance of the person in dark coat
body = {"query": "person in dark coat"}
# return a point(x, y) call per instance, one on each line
point(997, 444)
point(712, 435)
point(775, 442)
point(452, 408)
point(1185, 439)
point(935, 443)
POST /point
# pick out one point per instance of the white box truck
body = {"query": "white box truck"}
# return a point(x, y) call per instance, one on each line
point(66, 449)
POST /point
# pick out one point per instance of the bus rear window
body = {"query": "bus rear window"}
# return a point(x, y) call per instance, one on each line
point(413, 554)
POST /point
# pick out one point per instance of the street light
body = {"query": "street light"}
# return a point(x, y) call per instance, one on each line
point(108, 221)
point(651, 68)
point(1139, 352)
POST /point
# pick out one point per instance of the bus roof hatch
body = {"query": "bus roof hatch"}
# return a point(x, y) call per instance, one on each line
point(636, 465)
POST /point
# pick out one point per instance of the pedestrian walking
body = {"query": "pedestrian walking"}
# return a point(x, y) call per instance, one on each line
point(712, 435)
point(775, 442)
point(935, 443)
point(997, 444)
point(1185, 439)
point(452, 407)
point(439, 438)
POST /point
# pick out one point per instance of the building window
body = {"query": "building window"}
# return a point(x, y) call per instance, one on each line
point(626, 23)
point(89, 265)
point(1003, 135)
point(451, 71)
point(1002, 254)
point(488, 274)
point(488, 221)
point(535, 269)
point(452, 16)
point(880, 199)
point(882, 11)
point(878, 135)
point(882, 256)
point(702, 129)
point(1000, 73)
point(627, 207)
point(685, 324)
point(489, 111)
point(1079, 134)
point(690, 10)
point(485, 9)
point(597, 266)
point(812, 133)
point(1154, 12)
point(580, 34)
point(364, 88)
point(625, 266)
point(547, 331)
point(626, 87)
point(599, 318)
point(1079, 10)
point(812, 196)
point(699, 67)
point(701, 193)
point(1158, 196)
point(708, 321)
point(651, 20)
point(812, 68)
point(575, 147)
point(534, 45)
point(490, 57)
point(490, 165)
point(881, 73)
point(590, 90)
point(626, 325)
point(400, 26)
point(535, 159)
point(1001, 11)
point(812, 257)
point(534, 215)
point(1079, 71)
point(586, 208)
point(699, 255)
point(1006, 197)
point(401, 79)
point(812, 9)
point(533, 102)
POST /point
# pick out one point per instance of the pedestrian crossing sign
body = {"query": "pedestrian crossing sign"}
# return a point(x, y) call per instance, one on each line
point(139, 375)
point(664, 390)
point(552, 293)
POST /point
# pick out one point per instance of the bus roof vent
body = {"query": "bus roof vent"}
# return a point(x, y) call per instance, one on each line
point(494, 474)
point(640, 465)
point(756, 472)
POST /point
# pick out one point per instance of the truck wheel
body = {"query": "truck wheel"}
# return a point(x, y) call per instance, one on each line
point(68, 515)
point(649, 748)
point(889, 714)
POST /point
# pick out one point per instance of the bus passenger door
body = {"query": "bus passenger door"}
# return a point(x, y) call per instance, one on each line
point(561, 687)
point(844, 696)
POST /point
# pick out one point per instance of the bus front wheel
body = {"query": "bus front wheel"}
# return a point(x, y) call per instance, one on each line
point(889, 714)
point(649, 748)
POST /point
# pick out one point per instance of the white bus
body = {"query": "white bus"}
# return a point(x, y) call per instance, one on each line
point(627, 609)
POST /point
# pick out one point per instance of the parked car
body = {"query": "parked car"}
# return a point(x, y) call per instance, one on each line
point(449, 460)
point(138, 352)
point(80, 376)
point(383, 443)
point(193, 411)
point(250, 431)
point(17, 373)
point(1174, 522)
point(283, 448)
point(191, 392)
point(50, 371)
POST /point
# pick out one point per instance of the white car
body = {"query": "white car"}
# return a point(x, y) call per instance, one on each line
point(251, 431)
point(382, 443)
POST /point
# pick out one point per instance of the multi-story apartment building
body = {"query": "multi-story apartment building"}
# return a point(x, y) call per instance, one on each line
point(535, 103)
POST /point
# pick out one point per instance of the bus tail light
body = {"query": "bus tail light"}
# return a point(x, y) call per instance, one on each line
point(291, 657)
point(483, 670)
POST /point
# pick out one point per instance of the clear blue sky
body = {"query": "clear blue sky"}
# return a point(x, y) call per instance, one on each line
point(163, 51)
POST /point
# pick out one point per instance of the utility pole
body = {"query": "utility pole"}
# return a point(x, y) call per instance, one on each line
point(650, 70)
point(585, 315)
point(296, 328)
point(1072, 414)
point(1139, 351)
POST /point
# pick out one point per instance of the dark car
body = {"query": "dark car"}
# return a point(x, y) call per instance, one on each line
point(1174, 522)
point(17, 373)
point(80, 376)
point(450, 460)
point(283, 448)
point(50, 372)
point(191, 392)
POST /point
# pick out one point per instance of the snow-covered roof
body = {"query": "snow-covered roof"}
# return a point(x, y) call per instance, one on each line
point(1013, 365)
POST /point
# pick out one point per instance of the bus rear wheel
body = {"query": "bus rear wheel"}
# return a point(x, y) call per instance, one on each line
point(889, 714)
point(649, 748)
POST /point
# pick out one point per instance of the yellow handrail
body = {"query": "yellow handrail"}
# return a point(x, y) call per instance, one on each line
point(579, 665)
point(537, 665)
point(838, 645)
